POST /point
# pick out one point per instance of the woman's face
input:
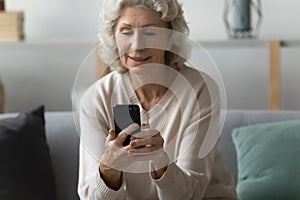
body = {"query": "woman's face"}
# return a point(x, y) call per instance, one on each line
point(129, 39)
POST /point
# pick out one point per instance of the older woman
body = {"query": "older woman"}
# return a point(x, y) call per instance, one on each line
point(175, 170)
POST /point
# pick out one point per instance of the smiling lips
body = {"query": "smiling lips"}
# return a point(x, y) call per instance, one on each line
point(139, 60)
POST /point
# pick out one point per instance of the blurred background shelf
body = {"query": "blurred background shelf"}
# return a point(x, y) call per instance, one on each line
point(43, 71)
point(274, 49)
point(246, 43)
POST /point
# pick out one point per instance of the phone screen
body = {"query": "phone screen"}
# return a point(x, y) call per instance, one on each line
point(125, 115)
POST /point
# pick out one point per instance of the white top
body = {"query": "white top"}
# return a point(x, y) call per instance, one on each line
point(183, 117)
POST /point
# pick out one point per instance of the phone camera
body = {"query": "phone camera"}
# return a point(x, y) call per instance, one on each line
point(133, 108)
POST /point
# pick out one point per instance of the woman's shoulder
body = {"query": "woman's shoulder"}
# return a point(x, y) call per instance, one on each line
point(198, 79)
point(109, 81)
point(193, 75)
point(101, 85)
point(111, 76)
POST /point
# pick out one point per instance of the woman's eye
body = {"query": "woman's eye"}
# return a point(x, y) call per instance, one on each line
point(128, 32)
point(147, 33)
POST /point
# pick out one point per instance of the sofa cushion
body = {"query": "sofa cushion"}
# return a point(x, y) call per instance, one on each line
point(268, 161)
point(25, 169)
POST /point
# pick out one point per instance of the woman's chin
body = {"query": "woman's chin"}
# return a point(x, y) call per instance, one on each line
point(136, 64)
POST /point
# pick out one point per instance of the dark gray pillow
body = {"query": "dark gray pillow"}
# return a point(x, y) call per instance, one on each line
point(25, 166)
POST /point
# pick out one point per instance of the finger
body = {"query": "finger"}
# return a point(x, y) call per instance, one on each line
point(120, 139)
point(146, 133)
point(131, 128)
point(111, 135)
point(138, 143)
point(132, 138)
point(152, 141)
point(124, 133)
point(145, 150)
point(144, 146)
point(145, 125)
point(159, 138)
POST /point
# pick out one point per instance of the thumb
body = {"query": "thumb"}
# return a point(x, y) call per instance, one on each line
point(111, 135)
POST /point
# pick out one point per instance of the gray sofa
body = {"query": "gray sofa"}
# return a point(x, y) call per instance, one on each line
point(63, 140)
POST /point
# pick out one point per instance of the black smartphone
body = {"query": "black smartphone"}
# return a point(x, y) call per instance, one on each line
point(124, 115)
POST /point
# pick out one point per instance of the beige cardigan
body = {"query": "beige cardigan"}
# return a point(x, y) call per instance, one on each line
point(183, 117)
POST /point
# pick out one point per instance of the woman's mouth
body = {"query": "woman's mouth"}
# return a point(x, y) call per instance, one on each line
point(139, 60)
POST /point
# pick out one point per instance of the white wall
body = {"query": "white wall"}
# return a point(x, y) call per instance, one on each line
point(280, 19)
point(59, 19)
point(78, 19)
point(38, 72)
point(41, 73)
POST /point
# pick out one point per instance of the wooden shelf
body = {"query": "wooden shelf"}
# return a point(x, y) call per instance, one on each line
point(274, 47)
point(233, 43)
point(248, 43)
point(290, 43)
point(274, 75)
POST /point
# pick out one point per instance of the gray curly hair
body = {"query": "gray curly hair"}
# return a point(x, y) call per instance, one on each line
point(171, 12)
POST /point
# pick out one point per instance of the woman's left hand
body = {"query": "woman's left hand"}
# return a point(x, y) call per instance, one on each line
point(148, 146)
point(147, 141)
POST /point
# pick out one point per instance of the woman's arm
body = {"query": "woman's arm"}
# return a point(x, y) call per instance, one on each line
point(189, 176)
point(196, 172)
point(92, 140)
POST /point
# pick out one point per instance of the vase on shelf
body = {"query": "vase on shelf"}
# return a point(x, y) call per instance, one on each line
point(242, 18)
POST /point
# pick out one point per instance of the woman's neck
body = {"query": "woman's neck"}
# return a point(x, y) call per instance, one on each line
point(150, 94)
point(151, 82)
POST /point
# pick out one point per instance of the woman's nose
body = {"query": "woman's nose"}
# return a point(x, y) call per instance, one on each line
point(134, 41)
point(137, 41)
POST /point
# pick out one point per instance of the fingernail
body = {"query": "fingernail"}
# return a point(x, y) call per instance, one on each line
point(133, 143)
point(123, 134)
point(131, 151)
point(135, 125)
point(131, 128)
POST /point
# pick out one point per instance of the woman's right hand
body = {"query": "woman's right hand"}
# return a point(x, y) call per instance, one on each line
point(115, 157)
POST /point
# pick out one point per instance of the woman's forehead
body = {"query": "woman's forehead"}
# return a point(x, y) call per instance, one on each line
point(140, 17)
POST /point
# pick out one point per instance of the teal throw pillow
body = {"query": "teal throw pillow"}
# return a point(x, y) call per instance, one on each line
point(268, 161)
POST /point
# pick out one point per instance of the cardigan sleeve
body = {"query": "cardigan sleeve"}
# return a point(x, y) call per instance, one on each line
point(90, 184)
point(196, 174)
